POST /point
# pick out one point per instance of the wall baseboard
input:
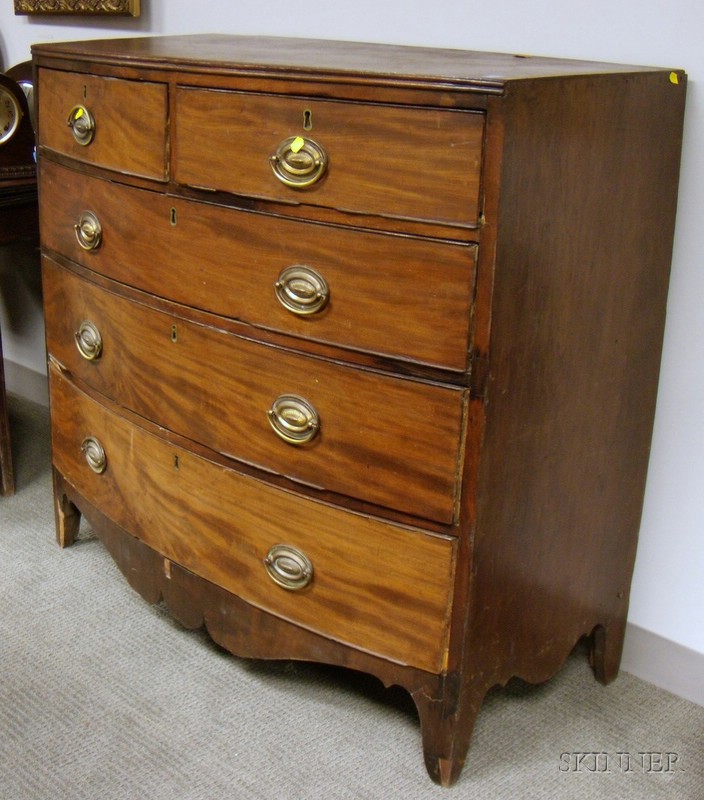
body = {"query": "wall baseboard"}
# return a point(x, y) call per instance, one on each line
point(26, 383)
point(665, 663)
point(646, 655)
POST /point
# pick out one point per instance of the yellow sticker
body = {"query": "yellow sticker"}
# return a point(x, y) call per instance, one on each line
point(78, 114)
point(674, 78)
point(297, 143)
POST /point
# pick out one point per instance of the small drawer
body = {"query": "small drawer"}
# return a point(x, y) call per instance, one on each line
point(392, 161)
point(108, 122)
point(356, 579)
point(395, 296)
point(391, 441)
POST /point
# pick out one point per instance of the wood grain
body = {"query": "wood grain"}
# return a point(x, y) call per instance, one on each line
point(420, 163)
point(391, 441)
point(525, 429)
point(376, 586)
point(130, 121)
point(584, 235)
point(291, 61)
point(389, 295)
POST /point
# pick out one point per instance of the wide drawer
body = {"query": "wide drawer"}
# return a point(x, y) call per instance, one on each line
point(383, 439)
point(128, 120)
point(373, 585)
point(413, 163)
point(391, 295)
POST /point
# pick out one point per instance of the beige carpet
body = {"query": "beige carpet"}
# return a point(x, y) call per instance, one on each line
point(103, 697)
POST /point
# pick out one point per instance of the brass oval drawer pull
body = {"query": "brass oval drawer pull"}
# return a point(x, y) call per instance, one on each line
point(294, 419)
point(289, 567)
point(89, 231)
point(302, 290)
point(89, 341)
point(299, 162)
point(94, 454)
point(82, 124)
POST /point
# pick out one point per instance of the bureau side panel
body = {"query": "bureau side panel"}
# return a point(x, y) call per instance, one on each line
point(586, 217)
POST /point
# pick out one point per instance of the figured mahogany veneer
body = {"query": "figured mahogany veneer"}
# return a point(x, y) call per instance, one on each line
point(131, 121)
point(483, 243)
point(385, 160)
point(224, 384)
point(371, 591)
point(389, 294)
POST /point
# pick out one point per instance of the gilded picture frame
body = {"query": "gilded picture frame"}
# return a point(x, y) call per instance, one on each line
point(124, 8)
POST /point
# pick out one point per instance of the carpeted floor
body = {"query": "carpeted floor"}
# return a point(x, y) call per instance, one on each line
point(103, 697)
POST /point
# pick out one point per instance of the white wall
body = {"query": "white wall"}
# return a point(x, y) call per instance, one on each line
point(668, 590)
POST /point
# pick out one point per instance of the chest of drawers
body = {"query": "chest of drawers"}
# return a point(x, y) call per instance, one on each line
point(353, 349)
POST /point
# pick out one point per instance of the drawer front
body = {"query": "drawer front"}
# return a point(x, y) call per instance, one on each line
point(374, 585)
point(397, 296)
point(386, 440)
point(412, 163)
point(121, 124)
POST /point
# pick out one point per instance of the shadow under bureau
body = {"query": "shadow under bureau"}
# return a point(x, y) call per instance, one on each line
point(353, 349)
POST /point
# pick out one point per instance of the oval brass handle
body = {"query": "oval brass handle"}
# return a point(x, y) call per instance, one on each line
point(299, 162)
point(89, 231)
point(302, 290)
point(94, 454)
point(89, 341)
point(294, 419)
point(82, 124)
point(289, 567)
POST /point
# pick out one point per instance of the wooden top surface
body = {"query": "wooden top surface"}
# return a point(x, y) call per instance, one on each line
point(327, 60)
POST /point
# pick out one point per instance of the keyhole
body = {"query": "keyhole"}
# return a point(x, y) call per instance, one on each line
point(172, 218)
point(307, 120)
point(174, 334)
point(85, 92)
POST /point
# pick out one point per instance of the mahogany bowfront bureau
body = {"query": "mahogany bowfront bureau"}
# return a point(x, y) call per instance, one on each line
point(354, 349)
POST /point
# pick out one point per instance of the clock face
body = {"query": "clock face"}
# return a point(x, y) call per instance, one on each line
point(10, 114)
